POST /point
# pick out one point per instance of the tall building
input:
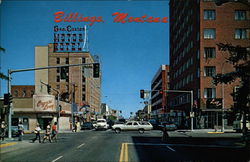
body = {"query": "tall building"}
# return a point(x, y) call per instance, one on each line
point(159, 85)
point(195, 29)
point(75, 84)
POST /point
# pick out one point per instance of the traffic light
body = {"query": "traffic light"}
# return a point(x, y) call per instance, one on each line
point(142, 93)
point(48, 89)
point(63, 72)
point(161, 91)
point(7, 99)
point(96, 70)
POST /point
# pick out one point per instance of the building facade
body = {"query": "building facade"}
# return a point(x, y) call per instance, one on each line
point(195, 29)
point(158, 102)
point(31, 109)
point(75, 84)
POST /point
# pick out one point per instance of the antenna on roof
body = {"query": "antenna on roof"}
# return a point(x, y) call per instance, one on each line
point(85, 47)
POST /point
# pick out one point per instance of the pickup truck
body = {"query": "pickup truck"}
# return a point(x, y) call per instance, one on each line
point(140, 126)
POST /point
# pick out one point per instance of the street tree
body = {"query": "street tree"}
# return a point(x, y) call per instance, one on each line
point(239, 57)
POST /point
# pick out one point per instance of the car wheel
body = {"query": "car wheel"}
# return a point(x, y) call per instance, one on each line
point(117, 130)
point(141, 131)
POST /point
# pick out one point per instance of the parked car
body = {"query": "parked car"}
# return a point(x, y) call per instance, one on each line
point(140, 126)
point(155, 124)
point(101, 124)
point(87, 125)
point(169, 125)
point(14, 131)
point(94, 124)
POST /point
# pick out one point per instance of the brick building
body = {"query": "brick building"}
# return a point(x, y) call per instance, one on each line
point(195, 29)
point(158, 101)
point(77, 86)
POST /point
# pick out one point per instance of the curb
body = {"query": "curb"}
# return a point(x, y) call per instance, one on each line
point(8, 144)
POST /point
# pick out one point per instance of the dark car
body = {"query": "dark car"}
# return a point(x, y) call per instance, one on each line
point(14, 131)
point(155, 124)
point(87, 125)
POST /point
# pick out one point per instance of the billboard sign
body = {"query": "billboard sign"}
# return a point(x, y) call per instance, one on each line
point(44, 103)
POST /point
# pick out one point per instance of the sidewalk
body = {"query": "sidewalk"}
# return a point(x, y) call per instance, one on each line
point(206, 137)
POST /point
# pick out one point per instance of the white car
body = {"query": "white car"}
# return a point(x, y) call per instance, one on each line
point(101, 124)
point(140, 126)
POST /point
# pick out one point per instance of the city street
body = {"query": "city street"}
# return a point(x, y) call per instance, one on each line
point(91, 145)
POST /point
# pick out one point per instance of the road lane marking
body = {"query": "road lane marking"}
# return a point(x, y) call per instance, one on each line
point(81, 145)
point(121, 153)
point(184, 145)
point(170, 148)
point(7, 144)
point(126, 152)
point(215, 132)
point(57, 158)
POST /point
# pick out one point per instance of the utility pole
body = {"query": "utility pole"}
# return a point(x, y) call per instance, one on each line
point(57, 104)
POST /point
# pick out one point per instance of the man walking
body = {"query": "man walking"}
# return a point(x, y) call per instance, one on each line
point(37, 133)
point(2, 130)
point(20, 131)
point(47, 134)
point(54, 132)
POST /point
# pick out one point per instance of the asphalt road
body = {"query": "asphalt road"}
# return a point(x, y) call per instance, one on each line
point(93, 145)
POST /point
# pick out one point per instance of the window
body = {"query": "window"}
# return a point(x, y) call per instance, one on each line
point(209, 33)
point(83, 97)
point(240, 15)
point(67, 61)
point(24, 93)
point(57, 78)
point(209, 93)
point(129, 123)
point(242, 33)
point(58, 60)
point(32, 93)
point(58, 70)
point(83, 60)
point(209, 14)
point(209, 71)
point(16, 93)
point(209, 52)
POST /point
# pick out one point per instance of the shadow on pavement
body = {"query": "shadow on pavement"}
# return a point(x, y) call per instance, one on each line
point(188, 148)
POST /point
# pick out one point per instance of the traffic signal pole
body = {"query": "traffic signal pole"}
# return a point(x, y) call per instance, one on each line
point(85, 65)
point(9, 106)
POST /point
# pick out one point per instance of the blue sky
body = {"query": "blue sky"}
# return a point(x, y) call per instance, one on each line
point(130, 53)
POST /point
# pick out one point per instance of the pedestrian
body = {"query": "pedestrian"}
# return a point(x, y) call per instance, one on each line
point(165, 133)
point(47, 133)
point(54, 132)
point(20, 131)
point(3, 126)
point(37, 133)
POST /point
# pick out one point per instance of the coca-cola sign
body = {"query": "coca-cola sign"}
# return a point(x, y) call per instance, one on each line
point(44, 103)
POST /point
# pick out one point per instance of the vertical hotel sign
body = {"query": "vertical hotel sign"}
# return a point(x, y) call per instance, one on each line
point(44, 103)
